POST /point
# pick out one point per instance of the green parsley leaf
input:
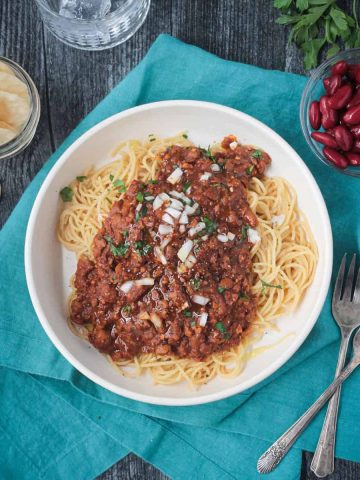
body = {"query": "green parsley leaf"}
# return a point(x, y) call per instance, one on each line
point(186, 186)
point(256, 154)
point(81, 178)
point(140, 196)
point(141, 213)
point(111, 177)
point(119, 251)
point(66, 194)
point(142, 248)
point(185, 135)
point(210, 225)
point(243, 296)
point(125, 233)
point(152, 182)
point(120, 185)
point(249, 169)
point(127, 308)
point(219, 326)
point(193, 323)
point(221, 289)
point(207, 153)
point(195, 283)
point(268, 285)
point(244, 229)
point(187, 313)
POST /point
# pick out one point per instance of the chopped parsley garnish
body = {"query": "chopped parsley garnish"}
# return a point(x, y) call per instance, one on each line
point(193, 323)
point(119, 251)
point(195, 283)
point(186, 186)
point(152, 182)
point(127, 308)
point(141, 213)
point(125, 233)
point(210, 225)
point(142, 248)
point(207, 153)
point(243, 296)
point(256, 154)
point(221, 289)
point(140, 197)
point(196, 249)
point(268, 285)
point(249, 169)
point(66, 194)
point(187, 313)
point(120, 185)
point(81, 178)
point(185, 135)
point(218, 184)
point(111, 177)
point(219, 326)
point(244, 229)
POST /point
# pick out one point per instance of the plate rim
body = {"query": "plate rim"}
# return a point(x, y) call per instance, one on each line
point(228, 391)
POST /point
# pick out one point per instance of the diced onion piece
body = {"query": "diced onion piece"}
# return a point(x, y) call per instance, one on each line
point(205, 176)
point(145, 281)
point(233, 145)
point(200, 300)
point(138, 207)
point(185, 250)
point(156, 320)
point(223, 238)
point(127, 286)
point(182, 228)
point(278, 219)
point(165, 243)
point(194, 230)
point(173, 212)
point(159, 254)
point(176, 204)
point(175, 176)
point(144, 316)
point(164, 196)
point(184, 219)
point(165, 229)
point(191, 210)
point(166, 218)
point(253, 235)
point(175, 194)
point(157, 202)
point(149, 198)
point(203, 319)
point(215, 167)
point(205, 237)
point(180, 196)
point(190, 261)
point(231, 236)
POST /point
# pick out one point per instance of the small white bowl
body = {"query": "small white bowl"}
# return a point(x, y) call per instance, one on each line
point(49, 266)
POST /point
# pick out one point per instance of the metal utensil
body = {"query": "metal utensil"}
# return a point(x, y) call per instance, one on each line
point(348, 310)
point(347, 316)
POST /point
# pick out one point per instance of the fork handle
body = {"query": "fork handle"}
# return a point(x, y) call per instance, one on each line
point(273, 455)
point(323, 461)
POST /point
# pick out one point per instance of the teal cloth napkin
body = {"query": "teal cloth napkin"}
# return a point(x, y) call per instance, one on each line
point(55, 423)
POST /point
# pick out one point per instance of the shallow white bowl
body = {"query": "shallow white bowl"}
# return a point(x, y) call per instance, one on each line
point(49, 266)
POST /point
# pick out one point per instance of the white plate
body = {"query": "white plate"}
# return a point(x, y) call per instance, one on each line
point(49, 266)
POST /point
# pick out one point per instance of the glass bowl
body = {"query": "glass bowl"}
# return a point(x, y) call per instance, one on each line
point(25, 136)
point(314, 89)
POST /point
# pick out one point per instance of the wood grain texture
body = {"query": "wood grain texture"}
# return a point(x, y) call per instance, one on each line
point(71, 82)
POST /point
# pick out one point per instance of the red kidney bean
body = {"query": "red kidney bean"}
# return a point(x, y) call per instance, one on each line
point(330, 119)
point(357, 77)
point(323, 104)
point(315, 115)
point(355, 131)
point(340, 98)
point(335, 157)
point(352, 115)
point(332, 83)
point(355, 99)
point(356, 146)
point(340, 68)
point(325, 139)
point(352, 70)
point(343, 138)
point(354, 158)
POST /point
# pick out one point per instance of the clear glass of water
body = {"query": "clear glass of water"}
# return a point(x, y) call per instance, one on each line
point(93, 24)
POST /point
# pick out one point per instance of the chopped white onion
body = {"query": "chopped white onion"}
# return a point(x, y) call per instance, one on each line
point(278, 219)
point(203, 319)
point(180, 196)
point(205, 237)
point(127, 286)
point(166, 218)
point(156, 320)
point(185, 250)
point(173, 212)
point(200, 300)
point(182, 228)
point(165, 243)
point(215, 167)
point(159, 254)
point(175, 194)
point(139, 207)
point(194, 230)
point(231, 236)
point(190, 261)
point(191, 210)
point(145, 281)
point(253, 235)
point(176, 204)
point(149, 198)
point(233, 145)
point(165, 229)
point(175, 176)
point(184, 219)
point(205, 176)
point(164, 196)
point(223, 238)
point(157, 202)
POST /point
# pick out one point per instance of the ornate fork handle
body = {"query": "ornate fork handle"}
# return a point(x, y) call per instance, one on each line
point(273, 456)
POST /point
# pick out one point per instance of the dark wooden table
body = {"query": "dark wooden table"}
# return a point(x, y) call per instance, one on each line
point(71, 82)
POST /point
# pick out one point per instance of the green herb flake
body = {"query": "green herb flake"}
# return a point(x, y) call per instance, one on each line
point(117, 251)
point(142, 248)
point(140, 196)
point(81, 178)
point(127, 308)
point(207, 153)
point(256, 154)
point(111, 177)
point(152, 182)
point(186, 186)
point(66, 194)
point(221, 290)
point(193, 323)
point(244, 229)
point(219, 326)
point(140, 214)
point(125, 233)
point(243, 296)
point(210, 225)
point(120, 185)
point(250, 169)
point(268, 285)
point(195, 283)
point(187, 313)
point(185, 135)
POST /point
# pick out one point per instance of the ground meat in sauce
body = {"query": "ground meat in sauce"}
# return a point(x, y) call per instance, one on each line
point(163, 318)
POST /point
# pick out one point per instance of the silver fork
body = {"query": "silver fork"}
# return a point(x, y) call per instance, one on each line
point(347, 308)
point(348, 319)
